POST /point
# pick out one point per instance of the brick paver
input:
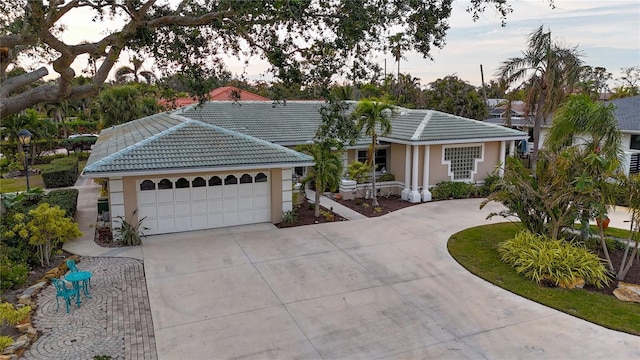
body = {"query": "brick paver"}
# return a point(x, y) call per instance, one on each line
point(116, 321)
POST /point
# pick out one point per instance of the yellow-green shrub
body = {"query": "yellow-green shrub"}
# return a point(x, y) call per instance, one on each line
point(539, 258)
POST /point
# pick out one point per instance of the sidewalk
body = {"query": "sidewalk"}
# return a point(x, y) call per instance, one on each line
point(337, 208)
point(86, 217)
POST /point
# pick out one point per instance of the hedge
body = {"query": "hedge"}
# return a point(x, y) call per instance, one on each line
point(61, 172)
point(66, 199)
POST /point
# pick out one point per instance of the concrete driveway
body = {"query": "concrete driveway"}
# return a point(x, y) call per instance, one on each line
point(369, 289)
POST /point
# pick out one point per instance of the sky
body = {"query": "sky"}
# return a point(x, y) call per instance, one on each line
point(607, 33)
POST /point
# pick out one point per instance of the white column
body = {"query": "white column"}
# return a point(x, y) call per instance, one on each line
point(407, 173)
point(512, 148)
point(426, 194)
point(503, 149)
point(287, 189)
point(116, 201)
point(414, 195)
point(345, 162)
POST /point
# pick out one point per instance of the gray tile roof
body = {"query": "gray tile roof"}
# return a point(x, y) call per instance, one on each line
point(430, 126)
point(186, 144)
point(628, 113)
point(297, 122)
point(224, 134)
point(291, 124)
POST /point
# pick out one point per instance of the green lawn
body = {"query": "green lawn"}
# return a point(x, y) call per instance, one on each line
point(476, 250)
point(20, 183)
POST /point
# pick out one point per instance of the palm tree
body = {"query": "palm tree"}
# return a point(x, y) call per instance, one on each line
point(599, 154)
point(327, 168)
point(371, 115)
point(58, 112)
point(593, 123)
point(548, 72)
point(123, 73)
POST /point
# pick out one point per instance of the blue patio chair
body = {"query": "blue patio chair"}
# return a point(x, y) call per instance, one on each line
point(66, 293)
point(71, 264)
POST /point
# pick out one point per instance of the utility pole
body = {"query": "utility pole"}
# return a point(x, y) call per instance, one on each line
point(484, 92)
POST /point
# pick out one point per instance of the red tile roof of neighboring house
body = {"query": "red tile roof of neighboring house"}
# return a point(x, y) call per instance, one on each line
point(219, 94)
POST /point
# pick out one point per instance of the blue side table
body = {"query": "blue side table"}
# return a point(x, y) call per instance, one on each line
point(80, 277)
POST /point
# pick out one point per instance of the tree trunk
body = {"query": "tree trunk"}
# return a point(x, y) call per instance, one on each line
point(603, 243)
point(536, 134)
point(626, 266)
point(318, 192)
point(374, 193)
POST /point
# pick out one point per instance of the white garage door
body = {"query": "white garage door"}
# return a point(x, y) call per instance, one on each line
point(204, 202)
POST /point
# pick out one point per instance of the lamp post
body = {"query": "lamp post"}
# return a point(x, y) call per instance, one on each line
point(25, 140)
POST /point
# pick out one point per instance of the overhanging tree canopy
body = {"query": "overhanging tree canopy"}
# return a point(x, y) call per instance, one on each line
point(303, 40)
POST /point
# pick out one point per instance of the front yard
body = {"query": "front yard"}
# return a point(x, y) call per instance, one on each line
point(476, 250)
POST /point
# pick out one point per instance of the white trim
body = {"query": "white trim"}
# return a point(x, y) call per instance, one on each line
point(99, 175)
point(426, 194)
point(454, 141)
point(475, 166)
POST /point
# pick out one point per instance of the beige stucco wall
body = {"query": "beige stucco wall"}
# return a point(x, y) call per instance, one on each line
point(276, 195)
point(396, 161)
point(131, 200)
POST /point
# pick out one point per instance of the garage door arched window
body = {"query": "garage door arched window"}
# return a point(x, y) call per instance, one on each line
point(165, 184)
point(182, 183)
point(261, 177)
point(147, 185)
point(231, 180)
point(215, 181)
point(246, 179)
point(198, 182)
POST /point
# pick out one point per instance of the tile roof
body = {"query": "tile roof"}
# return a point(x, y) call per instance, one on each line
point(289, 123)
point(223, 133)
point(141, 145)
point(297, 122)
point(217, 94)
point(627, 112)
point(430, 126)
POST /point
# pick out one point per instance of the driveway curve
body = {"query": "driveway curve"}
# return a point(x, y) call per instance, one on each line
point(363, 289)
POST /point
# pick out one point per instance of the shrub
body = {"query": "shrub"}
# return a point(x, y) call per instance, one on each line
point(359, 172)
point(289, 217)
point(539, 258)
point(328, 215)
point(61, 172)
point(130, 234)
point(452, 190)
point(486, 188)
point(11, 316)
point(387, 177)
point(12, 274)
point(44, 227)
point(5, 341)
point(66, 199)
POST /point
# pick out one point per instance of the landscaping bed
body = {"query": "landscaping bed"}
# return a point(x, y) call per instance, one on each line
point(476, 250)
point(385, 205)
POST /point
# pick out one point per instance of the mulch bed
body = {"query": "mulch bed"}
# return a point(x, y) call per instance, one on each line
point(306, 216)
point(632, 277)
point(385, 205)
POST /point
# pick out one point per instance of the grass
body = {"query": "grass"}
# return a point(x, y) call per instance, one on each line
point(476, 250)
point(20, 183)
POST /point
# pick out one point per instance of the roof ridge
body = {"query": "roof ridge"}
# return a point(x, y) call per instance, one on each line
point(131, 148)
point(416, 135)
point(188, 120)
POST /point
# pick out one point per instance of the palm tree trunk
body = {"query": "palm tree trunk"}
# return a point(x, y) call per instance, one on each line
point(536, 134)
point(374, 193)
point(318, 191)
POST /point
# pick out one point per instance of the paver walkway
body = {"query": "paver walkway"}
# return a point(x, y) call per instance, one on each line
point(116, 321)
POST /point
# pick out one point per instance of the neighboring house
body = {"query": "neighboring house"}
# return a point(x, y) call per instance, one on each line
point(221, 164)
point(225, 93)
point(627, 113)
